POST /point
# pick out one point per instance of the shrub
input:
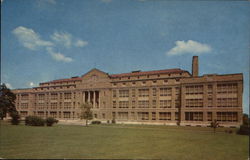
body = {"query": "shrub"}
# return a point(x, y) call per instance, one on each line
point(50, 121)
point(34, 121)
point(244, 130)
point(113, 121)
point(108, 121)
point(96, 122)
point(15, 118)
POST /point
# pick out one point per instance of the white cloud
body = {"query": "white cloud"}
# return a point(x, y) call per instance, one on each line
point(62, 38)
point(106, 1)
point(58, 56)
point(190, 46)
point(31, 84)
point(80, 43)
point(8, 85)
point(1, 1)
point(30, 39)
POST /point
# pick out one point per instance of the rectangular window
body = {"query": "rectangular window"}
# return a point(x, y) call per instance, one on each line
point(164, 115)
point(66, 115)
point(114, 104)
point(67, 105)
point(154, 92)
point(53, 96)
point(23, 113)
point(67, 95)
point(165, 91)
point(176, 116)
point(40, 114)
point(194, 116)
point(133, 116)
point(24, 106)
point(154, 104)
point(24, 96)
point(165, 103)
point(114, 93)
point(194, 90)
point(209, 116)
point(227, 116)
point(123, 115)
point(123, 104)
point(143, 92)
point(194, 103)
point(133, 92)
point(143, 104)
point(123, 93)
point(143, 116)
point(41, 96)
point(227, 88)
point(113, 115)
point(53, 114)
point(210, 89)
point(177, 91)
point(227, 102)
point(54, 105)
point(153, 116)
point(133, 104)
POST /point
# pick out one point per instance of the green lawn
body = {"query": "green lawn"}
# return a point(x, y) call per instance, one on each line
point(121, 141)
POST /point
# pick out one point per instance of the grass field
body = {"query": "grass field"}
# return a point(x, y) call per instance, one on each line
point(121, 142)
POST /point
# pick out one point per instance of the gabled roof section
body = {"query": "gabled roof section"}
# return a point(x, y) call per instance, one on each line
point(94, 70)
point(139, 73)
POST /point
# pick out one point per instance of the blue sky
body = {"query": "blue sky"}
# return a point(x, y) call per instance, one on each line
point(43, 40)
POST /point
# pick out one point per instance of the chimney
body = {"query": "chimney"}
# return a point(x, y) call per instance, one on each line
point(195, 66)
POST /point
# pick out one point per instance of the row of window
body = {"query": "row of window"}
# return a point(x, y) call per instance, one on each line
point(145, 104)
point(189, 116)
point(145, 92)
point(144, 82)
point(55, 96)
point(220, 116)
point(65, 115)
point(227, 88)
point(144, 116)
point(58, 87)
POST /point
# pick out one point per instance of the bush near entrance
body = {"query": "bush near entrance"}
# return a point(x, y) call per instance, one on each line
point(50, 121)
point(34, 121)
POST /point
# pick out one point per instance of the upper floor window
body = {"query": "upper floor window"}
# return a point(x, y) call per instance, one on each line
point(165, 91)
point(143, 92)
point(123, 93)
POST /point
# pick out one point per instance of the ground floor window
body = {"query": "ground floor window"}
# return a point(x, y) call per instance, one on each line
point(176, 116)
point(66, 114)
point(209, 116)
point(123, 115)
point(227, 116)
point(40, 114)
point(133, 116)
point(164, 115)
point(143, 116)
point(194, 116)
point(113, 115)
point(23, 113)
point(153, 116)
point(53, 114)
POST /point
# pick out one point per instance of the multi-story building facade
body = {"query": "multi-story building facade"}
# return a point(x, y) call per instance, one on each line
point(171, 96)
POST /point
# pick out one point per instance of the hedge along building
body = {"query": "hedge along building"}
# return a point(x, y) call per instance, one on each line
point(171, 96)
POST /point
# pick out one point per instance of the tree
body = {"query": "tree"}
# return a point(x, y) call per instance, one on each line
point(214, 125)
point(7, 101)
point(86, 112)
point(15, 118)
point(245, 119)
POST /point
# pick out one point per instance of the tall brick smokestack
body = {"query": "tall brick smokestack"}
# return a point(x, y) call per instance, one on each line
point(195, 66)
